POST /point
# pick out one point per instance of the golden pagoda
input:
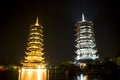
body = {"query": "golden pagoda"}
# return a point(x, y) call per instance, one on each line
point(34, 53)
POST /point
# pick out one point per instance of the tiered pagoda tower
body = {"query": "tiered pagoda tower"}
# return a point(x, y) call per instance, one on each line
point(86, 47)
point(34, 54)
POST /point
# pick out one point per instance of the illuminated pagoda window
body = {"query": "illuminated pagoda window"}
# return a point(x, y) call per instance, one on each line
point(85, 41)
point(34, 53)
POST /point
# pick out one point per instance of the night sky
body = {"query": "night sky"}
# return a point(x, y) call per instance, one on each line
point(58, 18)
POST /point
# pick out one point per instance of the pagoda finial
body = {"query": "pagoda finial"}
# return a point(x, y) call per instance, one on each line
point(83, 17)
point(37, 22)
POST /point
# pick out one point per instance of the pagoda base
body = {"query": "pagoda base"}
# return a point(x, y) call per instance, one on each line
point(26, 73)
point(34, 65)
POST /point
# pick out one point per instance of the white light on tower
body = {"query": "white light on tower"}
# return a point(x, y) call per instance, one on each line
point(85, 40)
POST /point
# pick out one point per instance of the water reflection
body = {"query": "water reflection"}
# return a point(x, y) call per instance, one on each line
point(43, 74)
point(82, 77)
point(32, 74)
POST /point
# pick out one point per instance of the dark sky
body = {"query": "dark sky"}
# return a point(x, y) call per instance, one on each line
point(58, 18)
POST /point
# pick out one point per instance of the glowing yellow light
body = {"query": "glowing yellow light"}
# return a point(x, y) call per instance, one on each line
point(34, 67)
point(37, 22)
point(38, 66)
point(32, 74)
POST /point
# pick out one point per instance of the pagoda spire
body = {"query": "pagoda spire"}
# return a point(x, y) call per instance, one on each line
point(83, 17)
point(37, 22)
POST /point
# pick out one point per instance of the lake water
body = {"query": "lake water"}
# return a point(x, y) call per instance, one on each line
point(56, 75)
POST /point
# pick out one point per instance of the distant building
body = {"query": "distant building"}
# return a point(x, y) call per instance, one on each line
point(85, 41)
point(118, 61)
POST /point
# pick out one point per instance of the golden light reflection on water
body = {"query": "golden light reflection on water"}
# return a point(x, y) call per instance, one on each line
point(32, 74)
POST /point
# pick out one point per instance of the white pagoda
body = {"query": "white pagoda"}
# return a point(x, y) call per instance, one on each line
point(85, 41)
